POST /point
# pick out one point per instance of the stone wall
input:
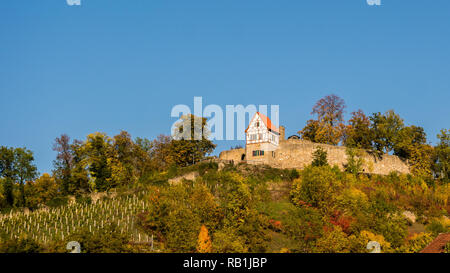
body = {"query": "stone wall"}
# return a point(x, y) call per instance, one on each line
point(297, 154)
point(234, 155)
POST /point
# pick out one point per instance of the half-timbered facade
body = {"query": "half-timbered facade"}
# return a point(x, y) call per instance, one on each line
point(262, 138)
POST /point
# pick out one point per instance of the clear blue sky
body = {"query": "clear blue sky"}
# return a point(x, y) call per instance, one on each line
point(111, 65)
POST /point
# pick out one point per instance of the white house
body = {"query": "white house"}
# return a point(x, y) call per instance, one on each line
point(262, 137)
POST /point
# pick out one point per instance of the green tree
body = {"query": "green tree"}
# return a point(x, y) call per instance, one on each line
point(8, 172)
point(411, 144)
point(79, 182)
point(124, 161)
point(319, 157)
point(385, 128)
point(441, 166)
point(190, 142)
point(407, 139)
point(16, 165)
point(354, 162)
point(25, 170)
point(97, 148)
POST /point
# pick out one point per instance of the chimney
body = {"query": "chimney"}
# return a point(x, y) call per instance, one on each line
point(282, 133)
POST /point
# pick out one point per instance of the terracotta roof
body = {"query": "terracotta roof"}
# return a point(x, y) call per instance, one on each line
point(266, 121)
point(438, 244)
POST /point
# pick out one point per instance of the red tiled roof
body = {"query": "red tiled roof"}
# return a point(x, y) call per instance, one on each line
point(266, 121)
point(438, 244)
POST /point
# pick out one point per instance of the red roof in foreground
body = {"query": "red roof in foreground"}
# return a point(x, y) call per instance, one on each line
point(438, 244)
point(266, 121)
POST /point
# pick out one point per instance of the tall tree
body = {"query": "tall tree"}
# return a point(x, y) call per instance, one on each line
point(385, 128)
point(64, 162)
point(158, 151)
point(358, 133)
point(328, 128)
point(80, 173)
point(16, 165)
point(124, 159)
point(442, 156)
point(7, 172)
point(411, 143)
point(330, 109)
point(25, 169)
point(408, 139)
point(97, 148)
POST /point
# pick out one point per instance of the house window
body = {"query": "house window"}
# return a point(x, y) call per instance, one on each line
point(258, 153)
point(257, 124)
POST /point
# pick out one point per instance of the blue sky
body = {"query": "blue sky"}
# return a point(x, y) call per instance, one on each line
point(111, 65)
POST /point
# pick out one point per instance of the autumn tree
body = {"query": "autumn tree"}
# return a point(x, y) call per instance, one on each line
point(204, 242)
point(310, 131)
point(80, 174)
point(123, 159)
point(408, 139)
point(328, 128)
point(358, 133)
point(41, 190)
point(411, 143)
point(157, 151)
point(317, 186)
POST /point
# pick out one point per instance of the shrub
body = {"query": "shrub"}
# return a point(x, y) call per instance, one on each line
point(317, 186)
point(57, 202)
point(107, 240)
point(437, 226)
point(19, 245)
point(319, 157)
point(416, 243)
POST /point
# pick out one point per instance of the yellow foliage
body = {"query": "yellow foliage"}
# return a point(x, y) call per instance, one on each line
point(285, 250)
point(204, 242)
point(351, 200)
point(335, 241)
point(368, 236)
point(416, 243)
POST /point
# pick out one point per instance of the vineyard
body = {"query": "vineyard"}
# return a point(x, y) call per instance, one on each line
point(51, 224)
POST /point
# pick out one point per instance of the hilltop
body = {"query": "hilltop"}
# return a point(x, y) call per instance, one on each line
point(246, 208)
